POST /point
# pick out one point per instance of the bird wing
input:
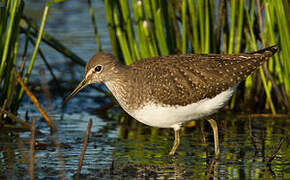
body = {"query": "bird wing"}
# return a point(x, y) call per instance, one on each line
point(185, 79)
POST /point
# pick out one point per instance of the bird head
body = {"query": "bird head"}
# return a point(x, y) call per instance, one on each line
point(100, 68)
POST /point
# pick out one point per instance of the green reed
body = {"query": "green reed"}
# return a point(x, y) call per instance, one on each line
point(209, 26)
point(91, 10)
point(13, 24)
point(10, 15)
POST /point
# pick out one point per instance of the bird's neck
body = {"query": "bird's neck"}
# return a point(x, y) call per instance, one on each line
point(120, 86)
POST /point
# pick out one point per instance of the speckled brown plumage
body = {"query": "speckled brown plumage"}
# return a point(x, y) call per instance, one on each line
point(176, 80)
point(185, 79)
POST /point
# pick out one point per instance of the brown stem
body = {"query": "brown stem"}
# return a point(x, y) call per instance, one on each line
point(84, 148)
point(260, 21)
point(221, 13)
point(2, 109)
point(32, 150)
point(35, 101)
point(275, 87)
point(276, 151)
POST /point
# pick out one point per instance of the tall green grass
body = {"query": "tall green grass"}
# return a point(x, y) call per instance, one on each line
point(9, 42)
point(209, 26)
point(13, 24)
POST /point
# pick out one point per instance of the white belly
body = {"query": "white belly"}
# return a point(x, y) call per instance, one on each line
point(157, 115)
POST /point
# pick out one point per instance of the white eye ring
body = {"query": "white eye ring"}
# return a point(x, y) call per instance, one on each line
point(98, 68)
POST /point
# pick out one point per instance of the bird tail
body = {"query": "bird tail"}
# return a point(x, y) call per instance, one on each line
point(268, 51)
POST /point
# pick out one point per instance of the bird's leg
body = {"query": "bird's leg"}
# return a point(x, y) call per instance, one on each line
point(176, 142)
point(214, 127)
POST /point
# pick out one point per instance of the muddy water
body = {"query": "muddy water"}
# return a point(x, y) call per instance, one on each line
point(121, 148)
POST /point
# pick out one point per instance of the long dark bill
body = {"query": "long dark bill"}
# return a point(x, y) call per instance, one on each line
point(81, 85)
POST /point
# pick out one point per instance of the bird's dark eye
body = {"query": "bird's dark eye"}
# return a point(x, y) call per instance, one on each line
point(98, 68)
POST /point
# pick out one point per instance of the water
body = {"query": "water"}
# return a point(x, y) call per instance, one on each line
point(127, 149)
point(133, 150)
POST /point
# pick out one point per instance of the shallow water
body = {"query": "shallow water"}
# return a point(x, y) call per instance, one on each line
point(132, 150)
point(121, 148)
